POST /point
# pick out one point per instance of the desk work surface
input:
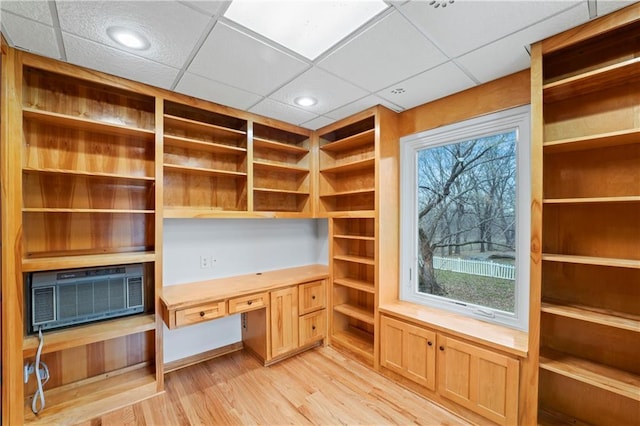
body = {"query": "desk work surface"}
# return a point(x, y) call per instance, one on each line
point(184, 295)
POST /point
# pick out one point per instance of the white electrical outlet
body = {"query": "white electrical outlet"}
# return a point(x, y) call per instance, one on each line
point(205, 262)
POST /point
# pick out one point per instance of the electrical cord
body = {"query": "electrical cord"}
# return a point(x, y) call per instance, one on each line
point(39, 395)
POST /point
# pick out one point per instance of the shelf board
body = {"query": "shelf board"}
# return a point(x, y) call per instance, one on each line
point(591, 81)
point(360, 139)
point(349, 193)
point(367, 163)
point(594, 315)
point(87, 260)
point(593, 200)
point(602, 140)
point(86, 334)
point(92, 175)
point(279, 146)
point(356, 340)
point(360, 285)
point(355, 312)
point(355, 259)
point(204, 212)
point(187, 143)
point(79, 402)
point(85, 124)
point(590, 260)
point(74, 210)
point(279, 167)
point(187, 123)
point(350, 214)
point(280, 191)
point(354, 237)
point(203, 171)
point(601, 376)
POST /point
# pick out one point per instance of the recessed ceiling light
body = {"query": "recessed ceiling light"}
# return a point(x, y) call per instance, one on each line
point(305, 101)
point(128, 38)
point(306, 27)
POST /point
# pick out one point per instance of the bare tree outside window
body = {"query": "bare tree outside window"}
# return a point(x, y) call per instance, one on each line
point(466, 215)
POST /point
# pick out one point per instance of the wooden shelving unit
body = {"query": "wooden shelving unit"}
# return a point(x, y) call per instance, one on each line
point(351, 190)
point(205, 160)
point(590, 318)
point(282, 168)
point(83, 194)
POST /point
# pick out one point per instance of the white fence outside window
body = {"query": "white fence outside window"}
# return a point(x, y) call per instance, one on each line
point(475, 267)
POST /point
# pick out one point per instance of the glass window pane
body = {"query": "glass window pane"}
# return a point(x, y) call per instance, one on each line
point(466, 200)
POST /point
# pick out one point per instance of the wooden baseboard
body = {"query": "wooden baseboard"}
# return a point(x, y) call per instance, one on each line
point(201, 357)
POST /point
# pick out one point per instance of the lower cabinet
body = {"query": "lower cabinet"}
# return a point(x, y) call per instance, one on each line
point(294, 319)
point(478, 379)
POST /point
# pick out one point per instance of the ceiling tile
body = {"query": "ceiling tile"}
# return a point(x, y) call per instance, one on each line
point(234, 58)
point(35, 10)
point(467, 25)
point(280, 111)
point(31, 36)
point(112, 61)
point(608, 6)
point(210, 7)
point(428, 86)
point(389, 51)
point(508, 55)
point(200, 87)
point(330, 91)
point(360, 105)
point(172, 29)
point(317, 122)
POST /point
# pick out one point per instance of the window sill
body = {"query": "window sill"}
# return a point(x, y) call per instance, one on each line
point(498, 337)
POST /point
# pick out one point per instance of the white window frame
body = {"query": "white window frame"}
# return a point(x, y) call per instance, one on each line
point(515, 119)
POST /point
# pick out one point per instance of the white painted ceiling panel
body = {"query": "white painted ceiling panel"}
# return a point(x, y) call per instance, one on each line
point(330, 91)
point(239, 60)
point(389, 51)
point(360, 105)
point(317, 122)
point(508, 55)
point(36, 10)
point(467, 25)
point(607, 6)
point(202, 88)
point(32, 36)
point(428, 86)
point(211, 8)
point(112, 61)
point(172, 28)
point(284, 112)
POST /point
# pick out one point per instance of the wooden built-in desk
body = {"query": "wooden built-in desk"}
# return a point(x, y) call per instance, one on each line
point(284, 311)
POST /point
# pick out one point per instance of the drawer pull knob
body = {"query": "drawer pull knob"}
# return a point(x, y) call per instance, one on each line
point(249, 302)
point(313, 327)
point(201, 313)
point(313, 297)
point(442, 348)
point(430, 343)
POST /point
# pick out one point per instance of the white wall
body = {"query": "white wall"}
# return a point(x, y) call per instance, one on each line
point(239, 246)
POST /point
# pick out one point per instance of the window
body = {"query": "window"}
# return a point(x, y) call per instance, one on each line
point(465, 195)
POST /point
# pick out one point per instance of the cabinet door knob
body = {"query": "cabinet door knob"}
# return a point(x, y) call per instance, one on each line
point(201, 313)
point(430, 343)
point(249, 302)
point(313, 297)
point(442, 348)
point(313, 327)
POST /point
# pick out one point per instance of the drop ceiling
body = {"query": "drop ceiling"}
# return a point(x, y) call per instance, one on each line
point(408, 54)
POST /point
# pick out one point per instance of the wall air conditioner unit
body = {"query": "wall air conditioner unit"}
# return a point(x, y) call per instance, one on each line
point(63, 298)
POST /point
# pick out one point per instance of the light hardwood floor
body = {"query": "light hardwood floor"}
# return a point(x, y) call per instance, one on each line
point(320, 386)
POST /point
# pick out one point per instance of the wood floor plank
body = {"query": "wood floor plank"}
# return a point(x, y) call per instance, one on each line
point(319, 387)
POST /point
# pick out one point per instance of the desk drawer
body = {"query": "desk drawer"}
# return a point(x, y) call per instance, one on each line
point(312, 327)
point(311, 296)
point(248, 303)
point(200, 313)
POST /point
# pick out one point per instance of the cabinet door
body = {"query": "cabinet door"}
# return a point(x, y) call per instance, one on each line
point(284, 321)
point(409, 351)
point(478, 379)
